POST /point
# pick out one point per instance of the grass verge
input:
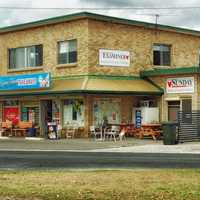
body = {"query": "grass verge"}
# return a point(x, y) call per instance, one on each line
point(148, 184)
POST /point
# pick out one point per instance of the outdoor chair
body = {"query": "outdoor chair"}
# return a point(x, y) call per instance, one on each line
point(6, 128)
point(122, 135)
point(70, 132)
point(95, 132)
point(112, 132)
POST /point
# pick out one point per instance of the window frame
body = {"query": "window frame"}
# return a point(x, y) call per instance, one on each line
point(26, 67)
point(58, 52)
point(161, 54)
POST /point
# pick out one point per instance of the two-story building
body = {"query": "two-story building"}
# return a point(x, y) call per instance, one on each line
point(82, 67)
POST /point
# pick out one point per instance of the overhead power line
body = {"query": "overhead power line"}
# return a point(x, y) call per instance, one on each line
point(100, 8)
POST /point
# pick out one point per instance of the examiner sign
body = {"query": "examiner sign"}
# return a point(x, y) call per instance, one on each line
point(114, 58)
point(180, 85)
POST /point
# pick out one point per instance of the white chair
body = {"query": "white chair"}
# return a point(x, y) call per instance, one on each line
point(112, 133)
point(122, 135)
point(96, 133)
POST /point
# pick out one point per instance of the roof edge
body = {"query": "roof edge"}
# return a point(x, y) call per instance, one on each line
point(73, 92)
point(100, 76)
point(170, 71)
point(81, 15)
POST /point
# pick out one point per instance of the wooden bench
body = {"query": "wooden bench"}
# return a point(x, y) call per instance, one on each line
point(22, 128)
point(152, 130)
point(6, 128)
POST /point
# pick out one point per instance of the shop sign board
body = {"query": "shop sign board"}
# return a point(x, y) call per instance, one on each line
point(138, 118)
point(114, 58)
point(180, 85)
point(25, 81)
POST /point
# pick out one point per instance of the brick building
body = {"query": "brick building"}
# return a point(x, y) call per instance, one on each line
point(81, 67)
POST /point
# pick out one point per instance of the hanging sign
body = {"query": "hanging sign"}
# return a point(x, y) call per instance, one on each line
point(26, 81)
point(180, 85)
point(114, 58)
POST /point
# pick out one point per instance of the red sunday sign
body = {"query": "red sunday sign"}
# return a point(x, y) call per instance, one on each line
point(11, 114)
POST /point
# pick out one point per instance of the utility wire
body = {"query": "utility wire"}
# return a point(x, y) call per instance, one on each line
point(101, 8)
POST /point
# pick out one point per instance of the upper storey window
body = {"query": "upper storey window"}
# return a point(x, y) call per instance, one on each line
point(24, 57)
point(67, 52)
point(161, 54)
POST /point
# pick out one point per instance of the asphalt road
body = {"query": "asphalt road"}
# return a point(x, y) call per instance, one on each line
point(85, 160)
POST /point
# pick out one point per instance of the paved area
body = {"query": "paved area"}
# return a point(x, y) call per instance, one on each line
point(184, 148)
point(131, 145)
point(69, 144)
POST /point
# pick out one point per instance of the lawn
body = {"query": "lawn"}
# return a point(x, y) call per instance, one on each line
point(137, 184)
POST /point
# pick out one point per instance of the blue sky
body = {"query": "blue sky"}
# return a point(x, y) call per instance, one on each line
point(183, 18)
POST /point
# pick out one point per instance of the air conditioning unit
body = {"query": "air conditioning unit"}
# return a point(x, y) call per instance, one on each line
point(145, 103)
point(148, 103)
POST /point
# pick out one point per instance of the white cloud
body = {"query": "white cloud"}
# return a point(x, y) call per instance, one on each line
point(187, 19)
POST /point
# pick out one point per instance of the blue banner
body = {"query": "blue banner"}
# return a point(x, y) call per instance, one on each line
point(25, 81)
point(138, 118)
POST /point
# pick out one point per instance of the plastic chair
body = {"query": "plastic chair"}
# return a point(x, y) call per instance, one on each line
point(112, 133)
point(95, 132)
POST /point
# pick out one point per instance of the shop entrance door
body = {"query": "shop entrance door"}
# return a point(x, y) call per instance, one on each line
point(173, 109)
point(45, 115)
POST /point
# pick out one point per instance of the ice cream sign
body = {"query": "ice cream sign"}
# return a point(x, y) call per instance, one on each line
point(180, 85)
point(26, 81)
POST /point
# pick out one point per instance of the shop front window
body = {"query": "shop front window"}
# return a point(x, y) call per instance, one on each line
point(73, 112)
point(30, 114)
point(106, 108)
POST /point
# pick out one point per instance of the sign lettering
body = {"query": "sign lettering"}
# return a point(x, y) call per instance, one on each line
point(180, 85)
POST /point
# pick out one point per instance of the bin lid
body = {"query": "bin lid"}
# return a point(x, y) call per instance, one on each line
point(169, 123)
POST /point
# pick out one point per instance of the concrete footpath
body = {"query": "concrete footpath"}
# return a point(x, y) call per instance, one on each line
point(189, 148)
point(89, 145)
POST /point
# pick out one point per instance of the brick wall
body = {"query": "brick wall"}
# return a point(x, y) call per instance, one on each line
point(139, 41)
point(49, 36)
point(93, 35)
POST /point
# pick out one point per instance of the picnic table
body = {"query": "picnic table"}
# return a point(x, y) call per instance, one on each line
point(20, 132)
point(153, 130)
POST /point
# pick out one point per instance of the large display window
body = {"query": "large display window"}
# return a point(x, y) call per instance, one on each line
point(30, 114)
point(73, 112)
point(108, 108)
point(30, 111)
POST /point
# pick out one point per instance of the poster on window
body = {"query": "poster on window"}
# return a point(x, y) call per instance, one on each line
point(106, 108)
point(11, 114)
point(180, 85)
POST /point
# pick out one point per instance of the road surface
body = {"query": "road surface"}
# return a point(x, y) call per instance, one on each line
point(87, 160)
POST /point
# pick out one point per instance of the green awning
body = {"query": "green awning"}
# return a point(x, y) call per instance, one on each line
point(93, 85)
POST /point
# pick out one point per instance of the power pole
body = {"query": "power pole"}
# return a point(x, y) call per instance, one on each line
point(156, 23)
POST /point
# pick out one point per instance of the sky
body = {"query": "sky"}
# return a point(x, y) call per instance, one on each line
point(186, 18)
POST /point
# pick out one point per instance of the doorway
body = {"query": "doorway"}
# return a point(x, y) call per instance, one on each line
point(173, 109)
point(45, 115)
